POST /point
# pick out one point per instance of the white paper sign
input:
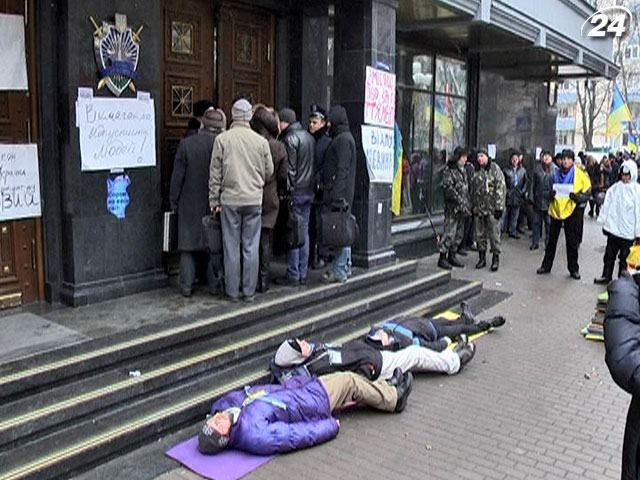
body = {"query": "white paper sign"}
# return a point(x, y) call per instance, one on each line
point(19, 182)
point(378, 148)
point(13, 58)
point(380, 98)
point(116, 133)
point(563, 189)
point(538, 152)
point(491, 150)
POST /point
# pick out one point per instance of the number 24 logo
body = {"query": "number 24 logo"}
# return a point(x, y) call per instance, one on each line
point(604, 25)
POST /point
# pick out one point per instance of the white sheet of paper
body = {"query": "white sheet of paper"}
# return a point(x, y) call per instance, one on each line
point(538, 152)
point(491, 150)
point(562, 190)
point(13, 58)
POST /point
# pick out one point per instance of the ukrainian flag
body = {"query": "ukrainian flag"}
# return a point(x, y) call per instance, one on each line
point(632, 143)
point(396, 188)
point(618, 114)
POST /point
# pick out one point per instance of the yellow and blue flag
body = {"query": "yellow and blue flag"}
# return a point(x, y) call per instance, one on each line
point(396, 189)
point(618, 114)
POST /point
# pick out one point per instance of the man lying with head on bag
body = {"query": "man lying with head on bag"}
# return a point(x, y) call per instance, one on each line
point(269, 419)
point(301, 357)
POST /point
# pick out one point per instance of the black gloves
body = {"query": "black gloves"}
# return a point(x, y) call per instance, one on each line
point(497, 214)
point(573, 196)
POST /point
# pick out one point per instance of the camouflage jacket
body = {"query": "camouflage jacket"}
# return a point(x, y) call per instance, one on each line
point(456, 190)
point(488, 190)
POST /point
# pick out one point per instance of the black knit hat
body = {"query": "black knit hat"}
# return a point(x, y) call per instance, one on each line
point(210, 441)
point(287, 115)
point(316, 111)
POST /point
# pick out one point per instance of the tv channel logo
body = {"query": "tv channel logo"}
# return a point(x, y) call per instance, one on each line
point(608, 22)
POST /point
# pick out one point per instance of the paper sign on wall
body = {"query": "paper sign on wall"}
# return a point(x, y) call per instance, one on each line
point(116, 133)
point(491, 150)
point(378, 146)
point(380, 98)
point(19, 182)
point(538, 152)
point(13, 58)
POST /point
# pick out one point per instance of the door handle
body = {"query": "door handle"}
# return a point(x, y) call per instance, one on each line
point(33, 253)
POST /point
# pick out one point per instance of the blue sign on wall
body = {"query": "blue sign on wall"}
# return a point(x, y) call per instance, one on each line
point(117, 195)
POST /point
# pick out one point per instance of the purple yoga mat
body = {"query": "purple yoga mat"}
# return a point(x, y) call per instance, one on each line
point(227, 465)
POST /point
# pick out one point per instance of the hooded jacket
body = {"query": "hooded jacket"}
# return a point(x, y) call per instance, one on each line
point(354, 356)
point(622, 347)
point(339, 171)
point(406, 331)
point(620, 213)
point(264, 427)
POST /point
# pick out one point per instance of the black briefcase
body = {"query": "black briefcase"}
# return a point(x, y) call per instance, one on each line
point(295, 229)
point(338, 229)
point(212, 231)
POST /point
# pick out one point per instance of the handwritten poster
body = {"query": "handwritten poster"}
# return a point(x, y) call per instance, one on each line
point(380, 98)
point(19, 182)
point(378, 148)
point(116, 133)
point(13, 58)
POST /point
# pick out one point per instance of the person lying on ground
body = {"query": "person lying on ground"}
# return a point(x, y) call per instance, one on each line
point(359, 357)
point(622, 347)
point(436, 334)
point(269, 419)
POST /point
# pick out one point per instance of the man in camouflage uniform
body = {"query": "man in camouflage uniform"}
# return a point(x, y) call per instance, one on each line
point(488, 192)
point(457, 206)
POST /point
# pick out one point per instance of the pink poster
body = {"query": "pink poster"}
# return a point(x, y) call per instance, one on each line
point(380, 98)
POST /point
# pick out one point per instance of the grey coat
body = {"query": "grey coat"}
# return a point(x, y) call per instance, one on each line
point(541, 187)
point(190, 188)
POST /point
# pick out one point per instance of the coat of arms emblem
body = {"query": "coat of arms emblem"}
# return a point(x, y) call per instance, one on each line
point(116, 47)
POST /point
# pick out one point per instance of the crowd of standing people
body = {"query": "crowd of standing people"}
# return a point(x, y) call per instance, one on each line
point(266, 162)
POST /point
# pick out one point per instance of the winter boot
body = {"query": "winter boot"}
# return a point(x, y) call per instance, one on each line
point(403, 383)
point(466, 315)
point(453, 261)
point(483, 259)
point(465, 353)
point(443, 263)
point(495, 262)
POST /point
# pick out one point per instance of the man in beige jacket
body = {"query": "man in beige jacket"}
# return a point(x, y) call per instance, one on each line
point(240, 164)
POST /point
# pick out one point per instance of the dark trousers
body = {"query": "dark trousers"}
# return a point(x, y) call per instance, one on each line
point(453, 329)
point(298, 258)
point(540, 218)
point(616, 247)
point(469, 231)
point(580, 211)
point(631, 445)
point(511, 216)
point(572, 226)
point(594, 204)
point(264, 251)
point(189, 262)
point(526, 213)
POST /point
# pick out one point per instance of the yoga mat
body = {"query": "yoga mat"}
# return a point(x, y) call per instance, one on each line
point(227, 465)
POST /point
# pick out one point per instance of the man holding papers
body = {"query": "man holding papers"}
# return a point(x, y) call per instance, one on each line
point(571, 186)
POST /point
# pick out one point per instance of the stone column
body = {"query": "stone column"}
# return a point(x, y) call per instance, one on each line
point(365, 34)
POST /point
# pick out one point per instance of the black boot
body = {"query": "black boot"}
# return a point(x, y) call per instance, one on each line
point(602, 280)
point(466, 315)
point(466, 353)
point(453, 260)
point(443, 263)
point(495, 262)
point(483, 259)
point(403, 384)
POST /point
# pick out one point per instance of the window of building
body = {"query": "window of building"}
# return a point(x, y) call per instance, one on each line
point(565, 137)
point(432, 109)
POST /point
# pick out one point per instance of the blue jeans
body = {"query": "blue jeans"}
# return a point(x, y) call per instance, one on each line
point(342, 263)
point(540, 217)
point(298, 258)
point(510, 220)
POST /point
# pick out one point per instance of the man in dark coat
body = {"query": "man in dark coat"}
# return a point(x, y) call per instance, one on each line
point(300, 146)
point(540, 196)
point(339, 178)
point(517, 184)
point(266, 124)
point(622, 345)
point(320, 131)
point(188, 198)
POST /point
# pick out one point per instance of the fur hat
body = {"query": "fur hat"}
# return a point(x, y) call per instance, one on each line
point(241, 111)
point(214, 118)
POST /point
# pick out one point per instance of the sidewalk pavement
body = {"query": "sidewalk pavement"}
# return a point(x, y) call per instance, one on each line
point(536, 402)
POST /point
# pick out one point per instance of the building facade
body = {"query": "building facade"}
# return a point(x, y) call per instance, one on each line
point(471, 72)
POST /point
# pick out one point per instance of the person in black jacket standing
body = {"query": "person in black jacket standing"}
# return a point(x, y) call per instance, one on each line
point(300, 147)
point(540, 196)
point(188, 197)
point(320, 131)
point(622, 345)
point(338, 179)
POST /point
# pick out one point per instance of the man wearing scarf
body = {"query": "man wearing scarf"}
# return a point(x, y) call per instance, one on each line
point(563, 213)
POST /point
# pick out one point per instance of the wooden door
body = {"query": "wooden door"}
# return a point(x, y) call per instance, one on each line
point(188, 72)
point(247, 38)
point(21, 275)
